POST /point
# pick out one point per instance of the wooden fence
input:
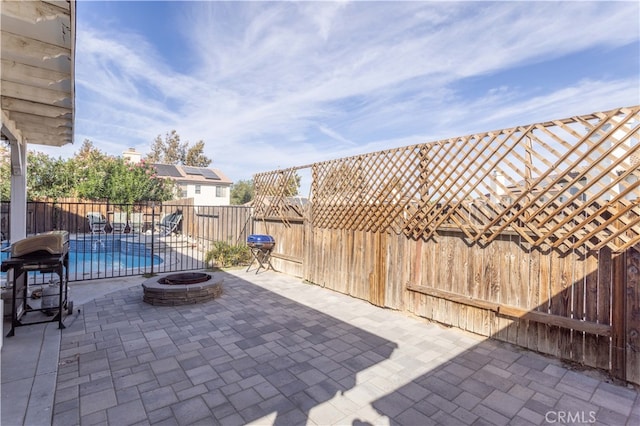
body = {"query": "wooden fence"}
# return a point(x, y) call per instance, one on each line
point(529, 235)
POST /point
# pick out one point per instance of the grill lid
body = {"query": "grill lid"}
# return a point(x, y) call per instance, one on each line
point(52, 243)
point(258, 240)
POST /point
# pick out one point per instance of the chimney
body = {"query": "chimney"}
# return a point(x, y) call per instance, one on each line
point(132, 156)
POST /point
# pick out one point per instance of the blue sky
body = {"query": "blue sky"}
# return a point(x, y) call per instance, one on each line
point(280, 84)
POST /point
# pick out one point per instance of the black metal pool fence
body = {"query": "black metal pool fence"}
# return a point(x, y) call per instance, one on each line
point(117, 240)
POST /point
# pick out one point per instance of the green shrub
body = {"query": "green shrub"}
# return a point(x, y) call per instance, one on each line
point(224, 255)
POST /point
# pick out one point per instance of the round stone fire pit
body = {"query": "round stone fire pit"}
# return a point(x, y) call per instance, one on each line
point(185, 288)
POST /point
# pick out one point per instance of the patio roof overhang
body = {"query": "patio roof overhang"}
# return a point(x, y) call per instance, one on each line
point(37, 71)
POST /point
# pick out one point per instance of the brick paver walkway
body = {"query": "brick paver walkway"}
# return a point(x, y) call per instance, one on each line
point(273, 350)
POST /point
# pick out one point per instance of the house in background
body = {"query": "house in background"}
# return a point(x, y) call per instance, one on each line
point(132, 156)
point(207, 187)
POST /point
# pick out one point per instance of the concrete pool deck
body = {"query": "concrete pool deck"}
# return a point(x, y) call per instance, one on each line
point(274, 350)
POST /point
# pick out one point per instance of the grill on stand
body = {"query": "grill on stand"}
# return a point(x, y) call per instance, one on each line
point(261, 247)
point(43, 253)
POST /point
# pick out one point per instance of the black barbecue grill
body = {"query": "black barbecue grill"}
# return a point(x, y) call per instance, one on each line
point(44, 253)
point(261, 247)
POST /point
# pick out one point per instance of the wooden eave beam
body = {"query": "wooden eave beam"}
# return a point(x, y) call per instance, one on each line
point(36, 94)
point(34, 108)
point(47, 137)
point(38, 120)
point(55, 29)
point(34, 11)
point(19, 46)
point(43, 128)
point(64, 4)
point(35, 76)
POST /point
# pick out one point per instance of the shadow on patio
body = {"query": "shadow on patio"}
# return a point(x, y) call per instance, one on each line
point(495, 383)
point(273, 350)
point(252, 354)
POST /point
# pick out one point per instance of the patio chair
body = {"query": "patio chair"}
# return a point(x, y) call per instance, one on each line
point(119, 222)
point(97, 223)
point(169, 223)
point(136, 222)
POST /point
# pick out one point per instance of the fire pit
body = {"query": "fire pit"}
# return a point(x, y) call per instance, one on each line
point(185, 288)
point(185, 278)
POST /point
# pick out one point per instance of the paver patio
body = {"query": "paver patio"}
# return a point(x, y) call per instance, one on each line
point(274, 350)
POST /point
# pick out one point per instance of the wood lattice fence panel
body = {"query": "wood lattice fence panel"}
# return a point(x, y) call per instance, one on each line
point(572, 182)
point(273, 195)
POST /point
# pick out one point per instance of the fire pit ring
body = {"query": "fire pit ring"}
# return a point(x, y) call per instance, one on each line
point(185, 278)
point(182, 289)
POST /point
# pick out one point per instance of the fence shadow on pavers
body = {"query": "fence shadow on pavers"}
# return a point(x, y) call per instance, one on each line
point(496, 383)
point(251, 355)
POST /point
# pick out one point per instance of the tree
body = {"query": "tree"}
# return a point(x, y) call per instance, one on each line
point(169, 150)
point(88, 154)
point(172, 151)
point(91, 172)
point(130, 183)
point(242, 192)
point(104, 177)
point(195, 156)
point(48, 177)
point(5, 173)
point(157, 151)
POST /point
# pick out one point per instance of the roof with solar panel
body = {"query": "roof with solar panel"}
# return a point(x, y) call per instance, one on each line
point(191, 174)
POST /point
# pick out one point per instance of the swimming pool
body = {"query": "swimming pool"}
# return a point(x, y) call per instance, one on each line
point(102, 257)
point(82, 262)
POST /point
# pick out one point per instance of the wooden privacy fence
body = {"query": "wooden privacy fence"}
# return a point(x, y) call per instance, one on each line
point(529, 235)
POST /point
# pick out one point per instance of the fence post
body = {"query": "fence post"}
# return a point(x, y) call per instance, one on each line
point(632, 320)
point(618, 311)
point(153, 233)
point(618, 315)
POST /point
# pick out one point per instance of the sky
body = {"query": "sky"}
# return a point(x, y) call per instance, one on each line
point(270, 85)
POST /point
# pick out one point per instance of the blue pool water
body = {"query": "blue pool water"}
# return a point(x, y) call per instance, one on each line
point(95, 256)
point(102, 261)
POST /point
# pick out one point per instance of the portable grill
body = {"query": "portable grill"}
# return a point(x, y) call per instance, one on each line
point(261, 247)
point(263, 242)
point(44, 253)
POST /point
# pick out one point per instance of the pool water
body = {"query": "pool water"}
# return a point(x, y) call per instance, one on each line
point(107, 261)
point(95, 262)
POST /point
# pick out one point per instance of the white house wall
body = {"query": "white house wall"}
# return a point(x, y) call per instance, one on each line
point(207, 196)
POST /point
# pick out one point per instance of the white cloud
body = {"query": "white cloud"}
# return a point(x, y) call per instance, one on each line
point(278, 84)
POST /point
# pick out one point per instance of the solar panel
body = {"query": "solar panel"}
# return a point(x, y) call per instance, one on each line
point(167, 170)
point(210, 174)
point(201, 171)
point(192, 170)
